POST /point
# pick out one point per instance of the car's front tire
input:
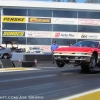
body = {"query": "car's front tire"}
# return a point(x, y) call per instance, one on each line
point(5, 56)
point(60, 63)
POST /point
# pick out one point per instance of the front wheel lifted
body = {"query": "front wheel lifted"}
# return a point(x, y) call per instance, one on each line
point(60, 63)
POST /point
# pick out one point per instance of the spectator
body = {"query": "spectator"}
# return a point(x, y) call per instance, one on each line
point(70, 44)
point(54, 46)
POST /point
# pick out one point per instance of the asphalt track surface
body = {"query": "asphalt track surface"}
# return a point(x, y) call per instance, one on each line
point(47, 82)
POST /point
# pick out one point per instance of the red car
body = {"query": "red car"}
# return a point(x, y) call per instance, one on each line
point(83, 53)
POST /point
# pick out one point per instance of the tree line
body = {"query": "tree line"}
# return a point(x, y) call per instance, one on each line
point(86, 1)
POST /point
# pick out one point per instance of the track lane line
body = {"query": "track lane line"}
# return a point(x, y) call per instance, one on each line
point(75, 97)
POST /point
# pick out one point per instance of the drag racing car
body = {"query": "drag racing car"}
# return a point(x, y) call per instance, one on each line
point(5, 53)
point(83, 53)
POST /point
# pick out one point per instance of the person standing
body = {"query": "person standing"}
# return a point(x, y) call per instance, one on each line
point(70, 44)
point(54, 46)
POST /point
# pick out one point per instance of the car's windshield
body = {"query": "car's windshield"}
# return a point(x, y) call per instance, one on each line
point(92, 44)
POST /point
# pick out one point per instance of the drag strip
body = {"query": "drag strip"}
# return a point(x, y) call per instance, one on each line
point(49, 83)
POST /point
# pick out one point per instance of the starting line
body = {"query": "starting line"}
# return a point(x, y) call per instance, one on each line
point(89, 95)
point(17, 69)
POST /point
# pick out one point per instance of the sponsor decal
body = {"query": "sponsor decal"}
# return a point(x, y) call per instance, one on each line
point(14, 19)
point(89, 22)
point(57, 34)
point(40, 20)
point(64, 35)
point(13, 33)
point(89, 36)
point(64, 21)
point(38, 34)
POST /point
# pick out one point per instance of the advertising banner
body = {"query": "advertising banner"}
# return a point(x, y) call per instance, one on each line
point(88, 36)
point(69, 21)
point(14, 19)
point(13, 33)
point(64, 35)
point(45, 48)
point(89, 22)
point(39, 34)
point(39, 20)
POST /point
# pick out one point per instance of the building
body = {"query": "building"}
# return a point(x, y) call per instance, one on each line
point(40, 23)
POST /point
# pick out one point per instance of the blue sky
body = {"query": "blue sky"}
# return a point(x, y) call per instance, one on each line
point(80, 0)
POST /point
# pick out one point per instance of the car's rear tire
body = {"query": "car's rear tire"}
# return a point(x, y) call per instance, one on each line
point(5, 56)
point(60, 63)
point(86, 66)
point(93, 61)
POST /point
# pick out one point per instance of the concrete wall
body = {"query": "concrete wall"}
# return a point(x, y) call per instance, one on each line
point(17, 56)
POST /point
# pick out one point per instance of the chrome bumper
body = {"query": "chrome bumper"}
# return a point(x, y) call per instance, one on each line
point(72, 57)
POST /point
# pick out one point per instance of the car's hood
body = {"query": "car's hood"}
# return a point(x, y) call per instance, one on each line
point(75, 49)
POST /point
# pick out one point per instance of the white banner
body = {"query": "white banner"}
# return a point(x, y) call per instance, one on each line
point(69, 21)
point(63, 35)
point(89, 22)
point(44, 47)
point(38, 34)
point(88, 36)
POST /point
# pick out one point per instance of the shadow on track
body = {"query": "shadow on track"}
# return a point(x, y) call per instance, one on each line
point(90, 72)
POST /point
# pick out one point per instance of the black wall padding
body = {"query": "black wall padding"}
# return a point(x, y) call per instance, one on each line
point(38, 57)
point(28, 64)
point(6, 63)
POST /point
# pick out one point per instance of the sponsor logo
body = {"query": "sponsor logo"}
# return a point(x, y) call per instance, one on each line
point(38, 34)
point(66, 35)
point(30, 34)
point(13, 33)
point(89, 22)
point(13, 19)
point(88, 36)
point(65, 21)
point(57, 34)
point(40, 20)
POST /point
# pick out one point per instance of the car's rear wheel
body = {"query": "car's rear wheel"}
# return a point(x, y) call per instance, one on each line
point(60, 63)
point(93, 61)
point(5, 56)
point(89, 65)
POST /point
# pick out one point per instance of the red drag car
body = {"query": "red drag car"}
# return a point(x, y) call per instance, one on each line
point(83, 53)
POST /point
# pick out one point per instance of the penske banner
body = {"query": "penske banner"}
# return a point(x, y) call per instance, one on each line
point(39, 20)
point(13, 33)
point(15, 19)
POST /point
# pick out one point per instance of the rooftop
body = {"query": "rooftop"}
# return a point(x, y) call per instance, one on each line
point(56, 5)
